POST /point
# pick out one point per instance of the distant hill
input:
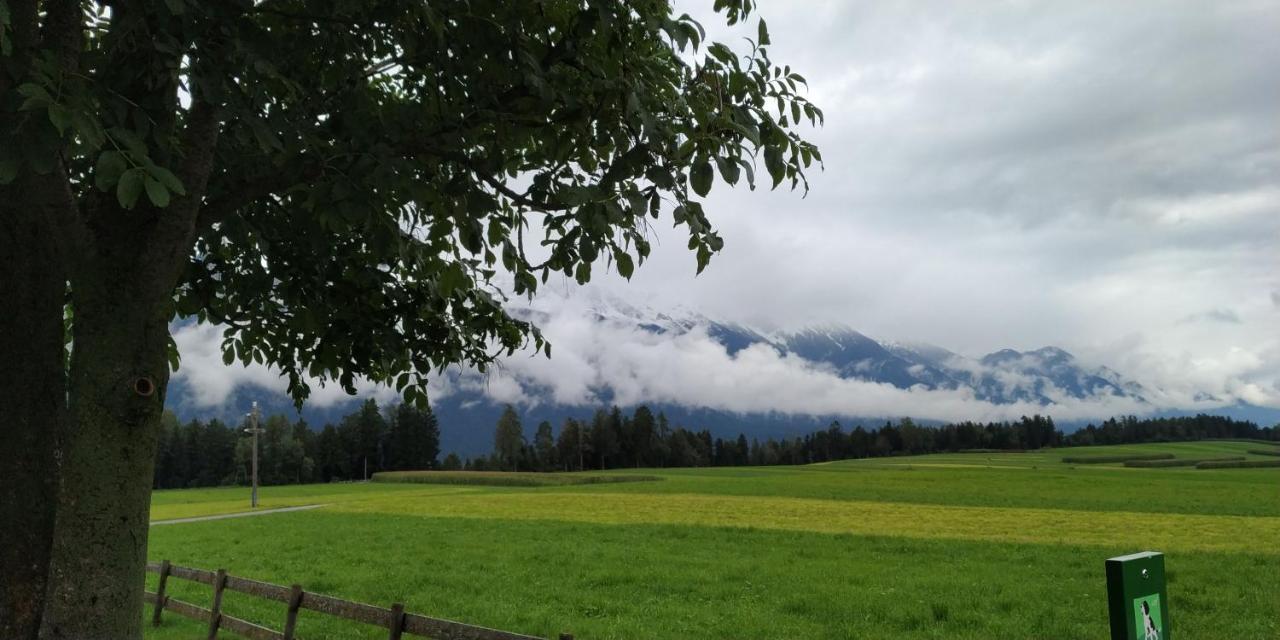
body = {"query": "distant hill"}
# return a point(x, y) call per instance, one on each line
point(1040, 378)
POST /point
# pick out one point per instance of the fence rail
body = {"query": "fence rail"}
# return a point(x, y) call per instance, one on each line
point(395, 620)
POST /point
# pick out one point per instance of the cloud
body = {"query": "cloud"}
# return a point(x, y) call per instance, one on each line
point(602, 356)
point(1213, 315)
point(211, 382)
point(691, 368)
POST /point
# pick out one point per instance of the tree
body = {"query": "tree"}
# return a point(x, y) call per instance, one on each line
point(361, 434)
point(603, 438)
point(572, 446)
point(413, 439)
point(337, 185)
point(451, 462)
point(508, 439)
point(643, 432)
point(330, 459)
point(544, 443)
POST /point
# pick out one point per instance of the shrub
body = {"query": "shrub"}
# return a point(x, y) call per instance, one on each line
point(1238, 464)
point(504, 478)
point(1117, 458)
point(1181, 462)
point(1265, 452)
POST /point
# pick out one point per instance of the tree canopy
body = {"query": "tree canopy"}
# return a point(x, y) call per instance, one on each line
point(350, 187)
point(373, 166)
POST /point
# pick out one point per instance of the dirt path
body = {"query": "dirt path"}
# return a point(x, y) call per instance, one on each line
point(242, 514)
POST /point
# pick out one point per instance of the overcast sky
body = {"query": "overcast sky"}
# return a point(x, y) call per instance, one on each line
point(1099, 176)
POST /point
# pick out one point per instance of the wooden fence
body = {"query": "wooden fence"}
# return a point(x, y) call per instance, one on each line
point(395, 620)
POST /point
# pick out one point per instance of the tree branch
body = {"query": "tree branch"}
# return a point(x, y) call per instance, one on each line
point(50, 195)
point(175, 231)
point(238, 196)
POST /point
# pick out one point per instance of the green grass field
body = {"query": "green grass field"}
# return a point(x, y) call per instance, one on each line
point(976, 545)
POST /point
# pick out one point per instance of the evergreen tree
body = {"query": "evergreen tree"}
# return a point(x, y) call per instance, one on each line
point(572, 446)
point(603, 438)
point(545, 446)
point(508, 440)
point(362, 435)
point(643, 433)
point(413, 439)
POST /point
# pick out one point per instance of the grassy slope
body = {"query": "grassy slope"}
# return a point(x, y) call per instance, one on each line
point(965, 545)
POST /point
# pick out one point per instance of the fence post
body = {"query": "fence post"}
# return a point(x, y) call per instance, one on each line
point(215, 612)
point(396, 624)
point(164, 577)
point(291, 619)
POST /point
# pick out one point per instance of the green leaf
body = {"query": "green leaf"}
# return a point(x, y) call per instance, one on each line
point(130, 140)
point(625, 266)
point(762, 33)
point(130, 187)
point(166, 178)
point(111, 164)
point(36, 96)
point(720, 52)
point(174, 356)
point(700, 176)
point(228, 356)
point(60, 116)
point(773, 162)
point(156, 193)
point(704, 257)
point(729, 169)
point(451, 279)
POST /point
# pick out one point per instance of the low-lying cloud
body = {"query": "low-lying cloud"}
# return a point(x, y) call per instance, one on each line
point(616, 360)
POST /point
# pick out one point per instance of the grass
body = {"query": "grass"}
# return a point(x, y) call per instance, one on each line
point(508, 479)
point(1265, 452)
point(975, 545)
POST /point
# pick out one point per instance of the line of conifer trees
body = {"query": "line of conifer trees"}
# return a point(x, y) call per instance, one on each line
point(205, 454)
point(202, 454)
point(611, 440)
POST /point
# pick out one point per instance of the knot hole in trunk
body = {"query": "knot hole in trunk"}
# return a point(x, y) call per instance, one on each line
point(144, 386)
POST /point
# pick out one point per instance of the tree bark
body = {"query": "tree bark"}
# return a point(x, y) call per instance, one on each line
point(117, 381)
point(33, 394)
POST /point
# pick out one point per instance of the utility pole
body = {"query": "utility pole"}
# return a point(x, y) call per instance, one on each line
point(253, 429)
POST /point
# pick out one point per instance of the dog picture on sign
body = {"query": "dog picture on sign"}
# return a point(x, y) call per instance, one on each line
point(1147, 618)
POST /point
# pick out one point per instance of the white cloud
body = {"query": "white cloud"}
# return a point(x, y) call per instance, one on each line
point(211, 382)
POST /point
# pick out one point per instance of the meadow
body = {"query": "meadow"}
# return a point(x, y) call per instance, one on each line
point(973, 545)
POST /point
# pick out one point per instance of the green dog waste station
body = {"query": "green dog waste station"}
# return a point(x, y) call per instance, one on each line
point(1136, 597)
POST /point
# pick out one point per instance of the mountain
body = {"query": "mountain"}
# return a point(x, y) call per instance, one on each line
point(1046, 377)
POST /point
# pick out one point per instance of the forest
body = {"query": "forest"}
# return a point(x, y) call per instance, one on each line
point(609, 439)
point(404, 437)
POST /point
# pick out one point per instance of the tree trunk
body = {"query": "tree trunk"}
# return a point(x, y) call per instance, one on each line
point(119, 372)
point(33, 395)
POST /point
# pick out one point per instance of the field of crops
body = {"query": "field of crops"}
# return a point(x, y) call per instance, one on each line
point(974, 545)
